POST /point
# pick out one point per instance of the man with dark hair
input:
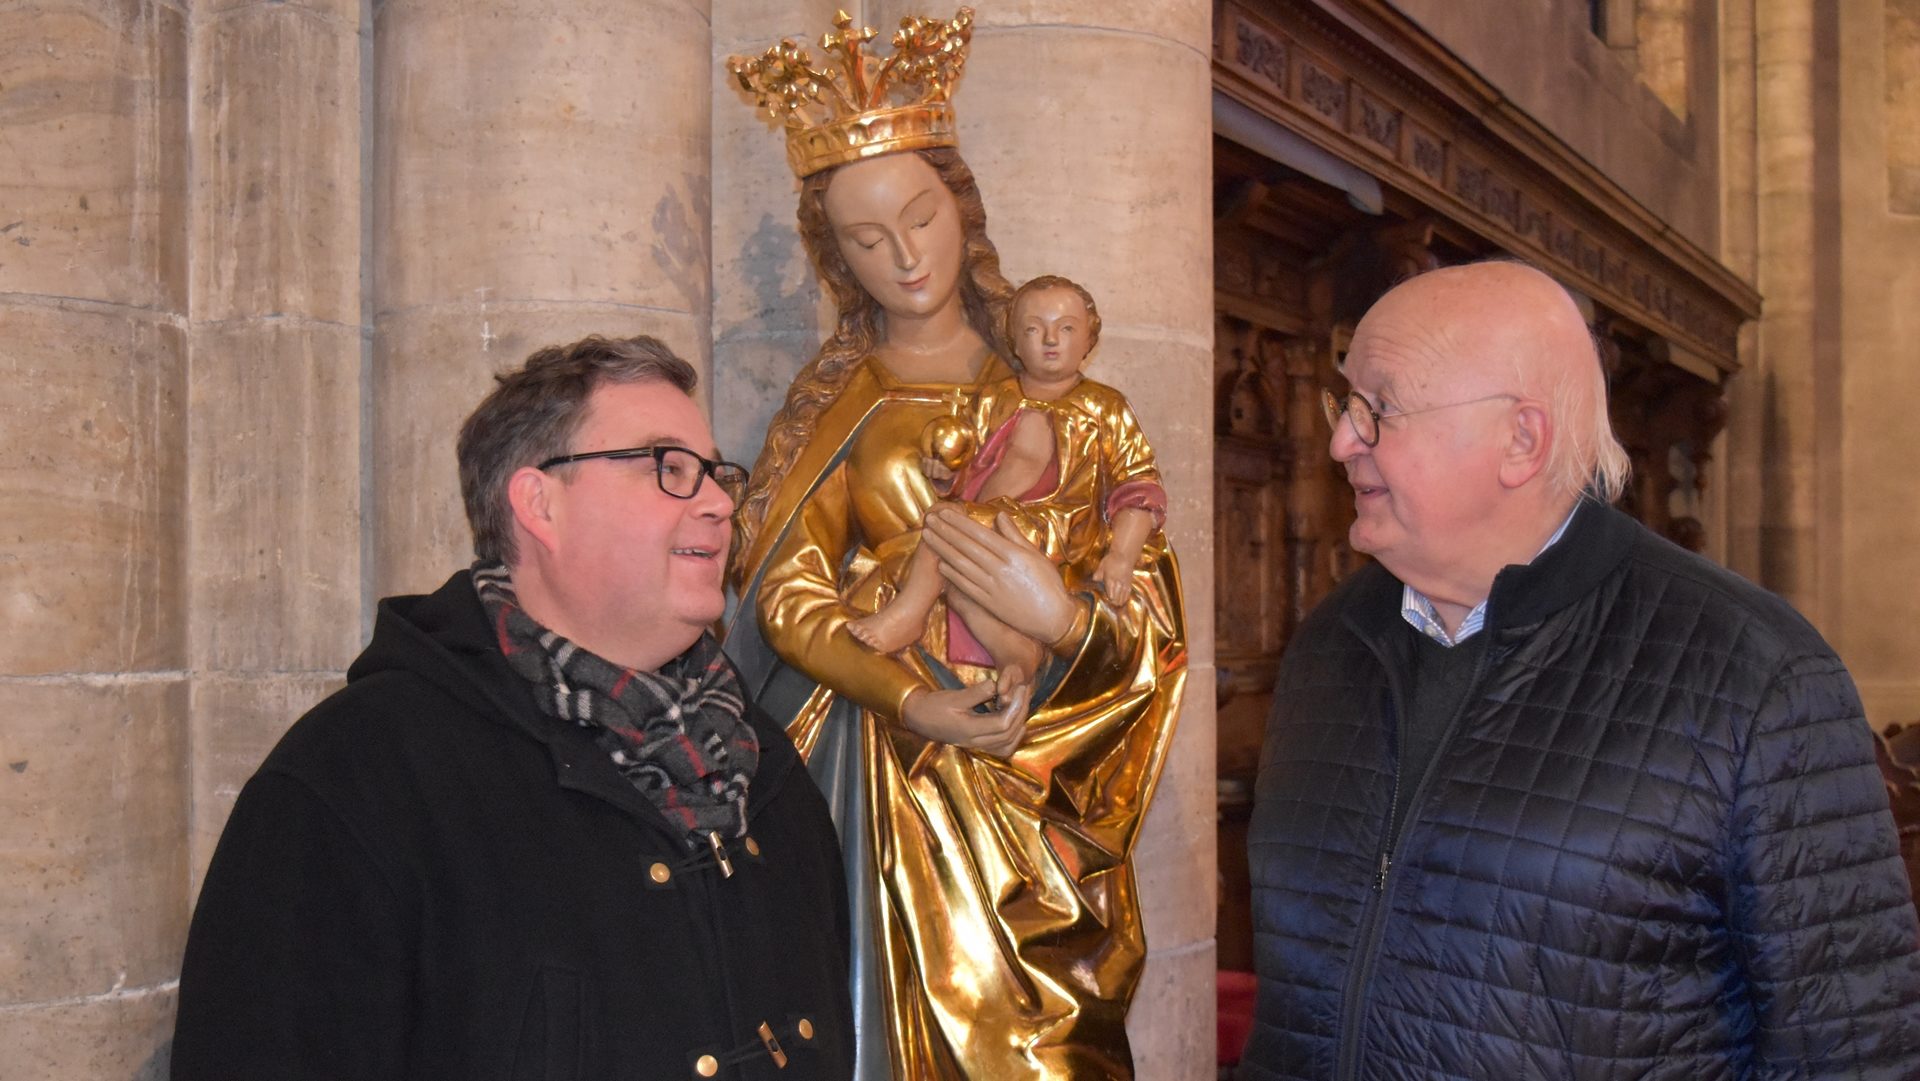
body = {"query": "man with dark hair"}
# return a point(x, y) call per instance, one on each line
point(541, 833)
point(1544, 796)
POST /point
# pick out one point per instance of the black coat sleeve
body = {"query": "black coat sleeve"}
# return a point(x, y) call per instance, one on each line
point(1819, 904)
point(298, 962)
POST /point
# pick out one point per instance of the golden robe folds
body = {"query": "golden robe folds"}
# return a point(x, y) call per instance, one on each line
point(998, 933)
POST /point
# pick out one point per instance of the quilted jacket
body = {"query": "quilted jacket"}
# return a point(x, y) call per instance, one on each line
point(1652, 843)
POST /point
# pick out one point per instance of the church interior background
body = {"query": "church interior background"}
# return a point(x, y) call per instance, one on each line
point(257, 261)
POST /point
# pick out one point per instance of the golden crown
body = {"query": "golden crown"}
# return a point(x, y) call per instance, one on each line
point(848, 110)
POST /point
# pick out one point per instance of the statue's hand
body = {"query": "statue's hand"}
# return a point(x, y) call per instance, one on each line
point(1115, 575)
point(948, 717)
point(938, 475)
point(1002, 572)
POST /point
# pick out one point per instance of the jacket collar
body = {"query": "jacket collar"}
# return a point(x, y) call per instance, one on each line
point(1524, 594)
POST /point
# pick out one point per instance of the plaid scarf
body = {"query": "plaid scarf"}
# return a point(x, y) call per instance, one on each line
point(679, 734)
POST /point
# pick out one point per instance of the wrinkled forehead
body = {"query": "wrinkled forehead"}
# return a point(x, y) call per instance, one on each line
point(1391, 356)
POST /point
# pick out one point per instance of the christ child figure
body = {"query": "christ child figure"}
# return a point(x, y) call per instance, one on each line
point(1064, 459)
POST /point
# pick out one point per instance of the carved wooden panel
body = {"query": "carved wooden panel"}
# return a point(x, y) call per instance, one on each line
point(1289, 60)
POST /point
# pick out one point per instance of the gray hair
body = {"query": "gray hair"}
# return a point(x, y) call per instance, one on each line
point(532, 414)
point(1586, 457)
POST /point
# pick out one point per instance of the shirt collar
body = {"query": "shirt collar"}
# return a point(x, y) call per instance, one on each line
point(1419, 612)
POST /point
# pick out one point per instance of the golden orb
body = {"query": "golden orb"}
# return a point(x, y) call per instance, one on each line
point(947, 441)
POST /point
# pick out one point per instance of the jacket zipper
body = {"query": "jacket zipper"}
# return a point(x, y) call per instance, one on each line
point(1374, 919)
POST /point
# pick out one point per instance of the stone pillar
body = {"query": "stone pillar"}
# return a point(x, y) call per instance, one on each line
point(1798, 256)
point(540, 173)
point(1734, 487)
point(768, 314)
point(1877, 67)
point(1089, 127)
point(1662, 49)
point(278, 345)
point(93, 696)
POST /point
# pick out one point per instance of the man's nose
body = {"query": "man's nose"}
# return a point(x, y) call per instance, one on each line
point(1345, 444)
point(712, 499)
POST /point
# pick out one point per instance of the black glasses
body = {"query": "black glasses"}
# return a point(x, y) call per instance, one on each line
point(1366, 420)
point(678, 470)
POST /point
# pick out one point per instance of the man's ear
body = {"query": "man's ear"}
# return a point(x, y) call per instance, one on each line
point(530, 492)
point(1530, 436)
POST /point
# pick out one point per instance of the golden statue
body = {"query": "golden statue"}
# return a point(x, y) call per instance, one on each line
point(987, 823)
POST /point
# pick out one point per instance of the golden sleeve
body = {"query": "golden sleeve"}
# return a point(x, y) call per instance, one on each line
point(803, 618)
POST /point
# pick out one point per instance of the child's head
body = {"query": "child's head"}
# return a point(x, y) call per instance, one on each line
point(1056, 308)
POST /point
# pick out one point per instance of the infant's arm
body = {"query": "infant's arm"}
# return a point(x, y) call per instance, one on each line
point(1131, 528)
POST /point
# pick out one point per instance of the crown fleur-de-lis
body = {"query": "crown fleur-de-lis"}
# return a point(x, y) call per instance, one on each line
point(845, 109)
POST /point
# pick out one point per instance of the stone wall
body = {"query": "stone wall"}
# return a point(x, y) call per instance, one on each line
point(1597, 99)
point(94, 686)
point(1821, 502)
point(1877, 287)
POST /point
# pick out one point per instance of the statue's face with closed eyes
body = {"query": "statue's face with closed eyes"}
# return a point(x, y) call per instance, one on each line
point(899, 229)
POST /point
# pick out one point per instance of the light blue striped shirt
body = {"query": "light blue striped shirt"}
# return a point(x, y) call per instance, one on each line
point(1417, 610)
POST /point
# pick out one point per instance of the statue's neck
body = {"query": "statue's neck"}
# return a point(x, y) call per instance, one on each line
point(937, 348)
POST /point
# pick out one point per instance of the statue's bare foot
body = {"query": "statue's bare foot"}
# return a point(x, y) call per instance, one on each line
point(889, 630)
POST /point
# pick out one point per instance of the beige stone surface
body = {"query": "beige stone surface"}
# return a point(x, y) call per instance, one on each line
point(347, 11)
point(1111, 184)
point(1185, 21)
point(1171, 1025)
point(235, 721)
point(93, 836)
point(93, 178)
point(1879, 537)
point(767, 310)
point(764, 282)
point(277, 164)
point(750, 380)
point(577, 168)
point(1174, 858)
point(120, 1037)
point(91, 485)
point(750, 26)
point(274, 483)
point(1574, 85)
point(431, 367)
point(1792, 245)
point(1168, 383)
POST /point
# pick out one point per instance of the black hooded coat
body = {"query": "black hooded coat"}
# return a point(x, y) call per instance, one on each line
point(429, 879)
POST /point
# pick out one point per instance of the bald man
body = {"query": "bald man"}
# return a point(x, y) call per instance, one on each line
point(1544, 796)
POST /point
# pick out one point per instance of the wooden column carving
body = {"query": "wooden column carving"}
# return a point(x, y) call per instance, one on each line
point(1667, 419)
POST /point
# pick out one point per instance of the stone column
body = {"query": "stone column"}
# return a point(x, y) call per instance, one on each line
point(93, 696)
point(1734, 486)
point(1877, 68)
point(278, 346)
point(541, 173)
point(1089, 126)
point(768, 314)
point(1798, 259)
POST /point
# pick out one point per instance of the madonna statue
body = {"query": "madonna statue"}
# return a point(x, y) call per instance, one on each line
point(987, 836)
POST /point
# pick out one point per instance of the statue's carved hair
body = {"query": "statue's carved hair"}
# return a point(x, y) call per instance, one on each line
point(859, 326)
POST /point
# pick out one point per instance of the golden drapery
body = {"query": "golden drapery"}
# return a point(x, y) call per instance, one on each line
point(1000, 933)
